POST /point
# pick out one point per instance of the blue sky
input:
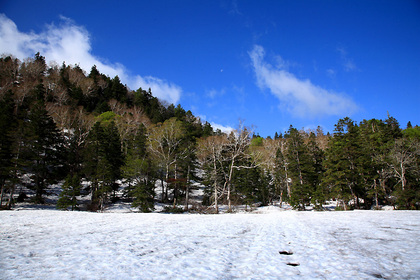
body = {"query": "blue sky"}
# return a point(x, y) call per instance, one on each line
point(268, 63)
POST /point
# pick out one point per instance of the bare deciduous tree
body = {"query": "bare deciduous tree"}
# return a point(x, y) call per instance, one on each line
point(164, 140)
point(403, 158)
point(210, 151)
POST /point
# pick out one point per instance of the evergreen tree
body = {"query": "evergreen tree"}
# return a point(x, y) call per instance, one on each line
point(301, 169)
point(375, 145)
point(139, 173)
point(70, 190)
point(281, 175)
point(104, 160)
point(7, 127)
point(342, 175)
point(43, 145)
point(317, 156)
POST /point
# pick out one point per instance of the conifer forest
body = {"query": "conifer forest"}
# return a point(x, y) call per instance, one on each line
point(102, 142)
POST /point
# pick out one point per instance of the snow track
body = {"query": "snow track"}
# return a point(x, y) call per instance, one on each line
point(43, 244)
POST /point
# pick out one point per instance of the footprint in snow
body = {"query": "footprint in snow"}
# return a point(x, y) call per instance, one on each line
point(288, 253)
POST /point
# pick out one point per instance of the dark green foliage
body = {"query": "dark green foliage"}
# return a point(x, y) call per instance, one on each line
point(302, 170)
point(342, 162)
point(151, 105)
point(412, 132)
point(143, 194)
point(68, 196)
point(7, 127)
point(104, 159)
point(207, 130)
point(251, 186)
point(139, 173)
point(43, 146)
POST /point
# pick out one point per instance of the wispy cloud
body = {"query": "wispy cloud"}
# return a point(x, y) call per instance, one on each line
point(70, 43)
point(213, 93)
point(347, 62)
point(331, 73)
point(300, 97)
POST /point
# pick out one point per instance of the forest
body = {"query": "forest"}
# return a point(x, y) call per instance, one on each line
point(103, 142)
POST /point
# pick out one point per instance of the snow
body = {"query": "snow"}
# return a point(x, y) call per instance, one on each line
point(51, 244)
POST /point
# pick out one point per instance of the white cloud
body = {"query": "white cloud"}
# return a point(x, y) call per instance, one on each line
point(160, 88)
point(301, 97)
point(70, 43)
point(225, 129)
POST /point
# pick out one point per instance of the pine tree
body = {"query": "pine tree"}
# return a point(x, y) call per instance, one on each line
point(7, 126)
point(301, 169)
point(281, 175)
point(319, 194)
point(43, 145)
point(104, 160)
point(70, 190)
point(139, 173)
point(342, 167)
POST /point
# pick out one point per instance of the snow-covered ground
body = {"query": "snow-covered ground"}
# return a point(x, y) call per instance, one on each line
point(49, 244)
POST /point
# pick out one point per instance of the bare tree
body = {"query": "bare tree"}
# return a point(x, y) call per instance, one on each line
point(164, 140)
point(236, 150)
point(9, 69)
point(403, 158)
point(210, 151)
point(267, 158)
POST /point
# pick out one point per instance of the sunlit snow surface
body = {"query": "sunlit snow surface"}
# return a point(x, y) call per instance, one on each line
point(47, 244)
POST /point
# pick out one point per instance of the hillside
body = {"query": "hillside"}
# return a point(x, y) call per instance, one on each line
point(102, 142)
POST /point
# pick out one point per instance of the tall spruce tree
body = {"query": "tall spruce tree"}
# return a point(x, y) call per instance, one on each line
point(139, 172)
point(104, 159)
point(43, 146)
point(7, 127)
point(342, 174)
point(319, 194)
point(301, 169)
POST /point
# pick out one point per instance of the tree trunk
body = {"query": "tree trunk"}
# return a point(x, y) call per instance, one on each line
point(187, 189)
point(289, 191)
point(216, 206)
point(12, 193)
point(344, 205)
point(166, 179)
point(175, 193)
point(162, 199)
point(281, 198)
point(229, 187)
point(1, 195)
point(403, 180)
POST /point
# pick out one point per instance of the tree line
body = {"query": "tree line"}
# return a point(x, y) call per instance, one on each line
point(104, 142)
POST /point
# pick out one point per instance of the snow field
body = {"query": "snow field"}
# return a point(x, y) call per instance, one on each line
point(48, 244)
